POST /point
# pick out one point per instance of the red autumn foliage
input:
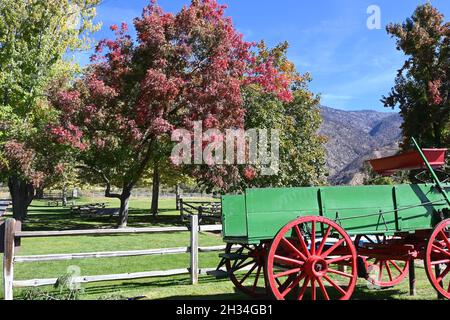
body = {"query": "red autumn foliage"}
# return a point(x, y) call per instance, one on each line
point(183, 68)
point(20, 159)
point(434, 93)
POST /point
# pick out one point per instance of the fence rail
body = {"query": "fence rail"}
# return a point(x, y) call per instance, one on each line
point(12, 239)
point(204, 209)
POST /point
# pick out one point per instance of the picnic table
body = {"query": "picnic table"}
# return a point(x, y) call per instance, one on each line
point(58, 202)
point(94, 210)
point(4, 204)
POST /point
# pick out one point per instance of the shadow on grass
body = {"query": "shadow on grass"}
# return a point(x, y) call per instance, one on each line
point(361, 292)
point(61, 219)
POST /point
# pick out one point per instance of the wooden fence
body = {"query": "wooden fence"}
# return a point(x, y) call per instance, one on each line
point(13, 235)
point(204, 209)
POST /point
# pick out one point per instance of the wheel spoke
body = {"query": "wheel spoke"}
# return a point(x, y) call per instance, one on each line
point(443, 274)
point(293, 285)
point(380, 275)
point(444, 237)
point(258, 272)
point(388, 269)
point(338, 259)
point(278, 282)
point(313, 289)
point(302, 241)
point(313, 238)
point(441, 250)
point(286, 283)
point(446, 261)
point(287, 273)
point(324, 240)
point(303, 289)
point(347, 275)
point(293, 248)
point(322, 288)
point(335, 285)
point(241, 266)
point(396, 266)
point(238, 252)
point(337, 244)
point(248, 274)
point(288, 260)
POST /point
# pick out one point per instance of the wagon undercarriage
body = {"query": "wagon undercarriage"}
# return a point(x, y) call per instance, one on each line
point(326, 264)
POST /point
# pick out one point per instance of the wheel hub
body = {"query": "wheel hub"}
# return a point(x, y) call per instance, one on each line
point(315, 266)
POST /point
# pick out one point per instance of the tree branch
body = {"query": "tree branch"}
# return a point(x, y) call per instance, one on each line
point(105, 179)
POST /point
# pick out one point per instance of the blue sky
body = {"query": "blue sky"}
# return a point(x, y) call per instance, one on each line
point(351, 65)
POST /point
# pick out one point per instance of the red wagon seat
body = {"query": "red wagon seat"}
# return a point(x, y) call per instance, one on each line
point(409, 161)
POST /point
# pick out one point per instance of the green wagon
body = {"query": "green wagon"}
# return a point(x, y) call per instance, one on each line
point(314, 243)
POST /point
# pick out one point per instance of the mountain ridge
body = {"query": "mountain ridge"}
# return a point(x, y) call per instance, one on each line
point(356, 136)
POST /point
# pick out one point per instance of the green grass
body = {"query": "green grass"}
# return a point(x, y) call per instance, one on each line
point(42, 217)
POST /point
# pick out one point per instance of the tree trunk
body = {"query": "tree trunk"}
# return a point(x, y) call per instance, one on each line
point(39, 193)
point(123, 211)
point(155, 190)
point(22, 193)
point(437, 135)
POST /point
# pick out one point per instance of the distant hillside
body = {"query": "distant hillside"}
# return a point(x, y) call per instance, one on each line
point(356, 136)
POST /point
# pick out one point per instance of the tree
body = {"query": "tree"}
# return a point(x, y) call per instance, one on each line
point(422, 85)
point(163, 172)
point(301, 150)
point(183, 68)
point(35, 37)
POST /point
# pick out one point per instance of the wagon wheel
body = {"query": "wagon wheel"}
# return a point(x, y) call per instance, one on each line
point(382, 272)
point(245, 266)
point(437, 255)
point(296, 269)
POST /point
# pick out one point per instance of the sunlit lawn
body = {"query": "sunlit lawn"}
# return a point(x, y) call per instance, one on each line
point(43, 217)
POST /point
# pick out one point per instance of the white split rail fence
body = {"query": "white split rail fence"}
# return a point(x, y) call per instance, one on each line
point(12, 238)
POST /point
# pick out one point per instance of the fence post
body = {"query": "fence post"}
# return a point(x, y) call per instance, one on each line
point(177, 196)
point(8, 259)
point(194, 249)
point(181, 210)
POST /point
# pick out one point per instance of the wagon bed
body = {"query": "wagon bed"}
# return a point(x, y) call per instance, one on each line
point(260, 213)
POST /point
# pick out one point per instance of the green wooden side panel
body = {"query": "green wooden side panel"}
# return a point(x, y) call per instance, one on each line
point(268, 210)
point(234, 216)
point(360, 209)
point(261, 213)
point(415, 213)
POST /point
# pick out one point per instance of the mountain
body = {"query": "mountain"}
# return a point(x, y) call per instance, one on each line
point(356, 136)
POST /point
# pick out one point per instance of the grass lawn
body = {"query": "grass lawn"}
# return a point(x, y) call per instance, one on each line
point(42, 217)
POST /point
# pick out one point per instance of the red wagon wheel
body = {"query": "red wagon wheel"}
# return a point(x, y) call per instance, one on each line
point(245, 265)
point(382, 272)
point(304, 258)
point(438, 255)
